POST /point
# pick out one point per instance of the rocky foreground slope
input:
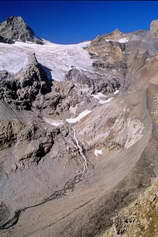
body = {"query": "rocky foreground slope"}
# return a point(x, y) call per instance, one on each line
point(78, 134)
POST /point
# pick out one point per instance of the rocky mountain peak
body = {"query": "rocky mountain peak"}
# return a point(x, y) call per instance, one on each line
point(15, 19)
point(115, 35)
point(15, 29)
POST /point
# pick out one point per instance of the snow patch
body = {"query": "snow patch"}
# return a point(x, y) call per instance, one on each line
point(99, 96)
point(102, 99)
point(55, 123)
point(79, 117)
point(98, 152)
point(108, 40)
point(123, 40)
point(116, 92)
point(105, 101)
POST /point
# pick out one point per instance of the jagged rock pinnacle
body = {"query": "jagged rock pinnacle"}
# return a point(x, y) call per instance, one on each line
point(154, 27)
point(15, 29)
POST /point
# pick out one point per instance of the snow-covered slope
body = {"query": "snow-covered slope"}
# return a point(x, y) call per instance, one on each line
point(12, 59)
point(57, 59)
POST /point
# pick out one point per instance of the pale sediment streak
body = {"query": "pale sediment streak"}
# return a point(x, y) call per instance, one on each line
point(85, 165)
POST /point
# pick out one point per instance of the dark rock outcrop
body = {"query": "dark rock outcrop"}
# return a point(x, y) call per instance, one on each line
point(5, 40)
point(93, 82)
point(109, 58)
point(37, 142)
point(23, 89)
point(8, 132)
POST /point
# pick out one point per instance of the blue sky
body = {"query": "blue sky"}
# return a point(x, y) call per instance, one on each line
point(75, 21)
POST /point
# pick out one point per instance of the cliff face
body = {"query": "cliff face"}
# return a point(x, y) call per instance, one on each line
point(78, 134)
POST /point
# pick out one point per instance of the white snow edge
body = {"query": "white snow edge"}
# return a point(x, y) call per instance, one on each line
point(122, 40)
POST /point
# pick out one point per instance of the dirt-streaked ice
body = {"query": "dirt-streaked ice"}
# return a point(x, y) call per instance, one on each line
point(55, 123)
point(79, 117)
